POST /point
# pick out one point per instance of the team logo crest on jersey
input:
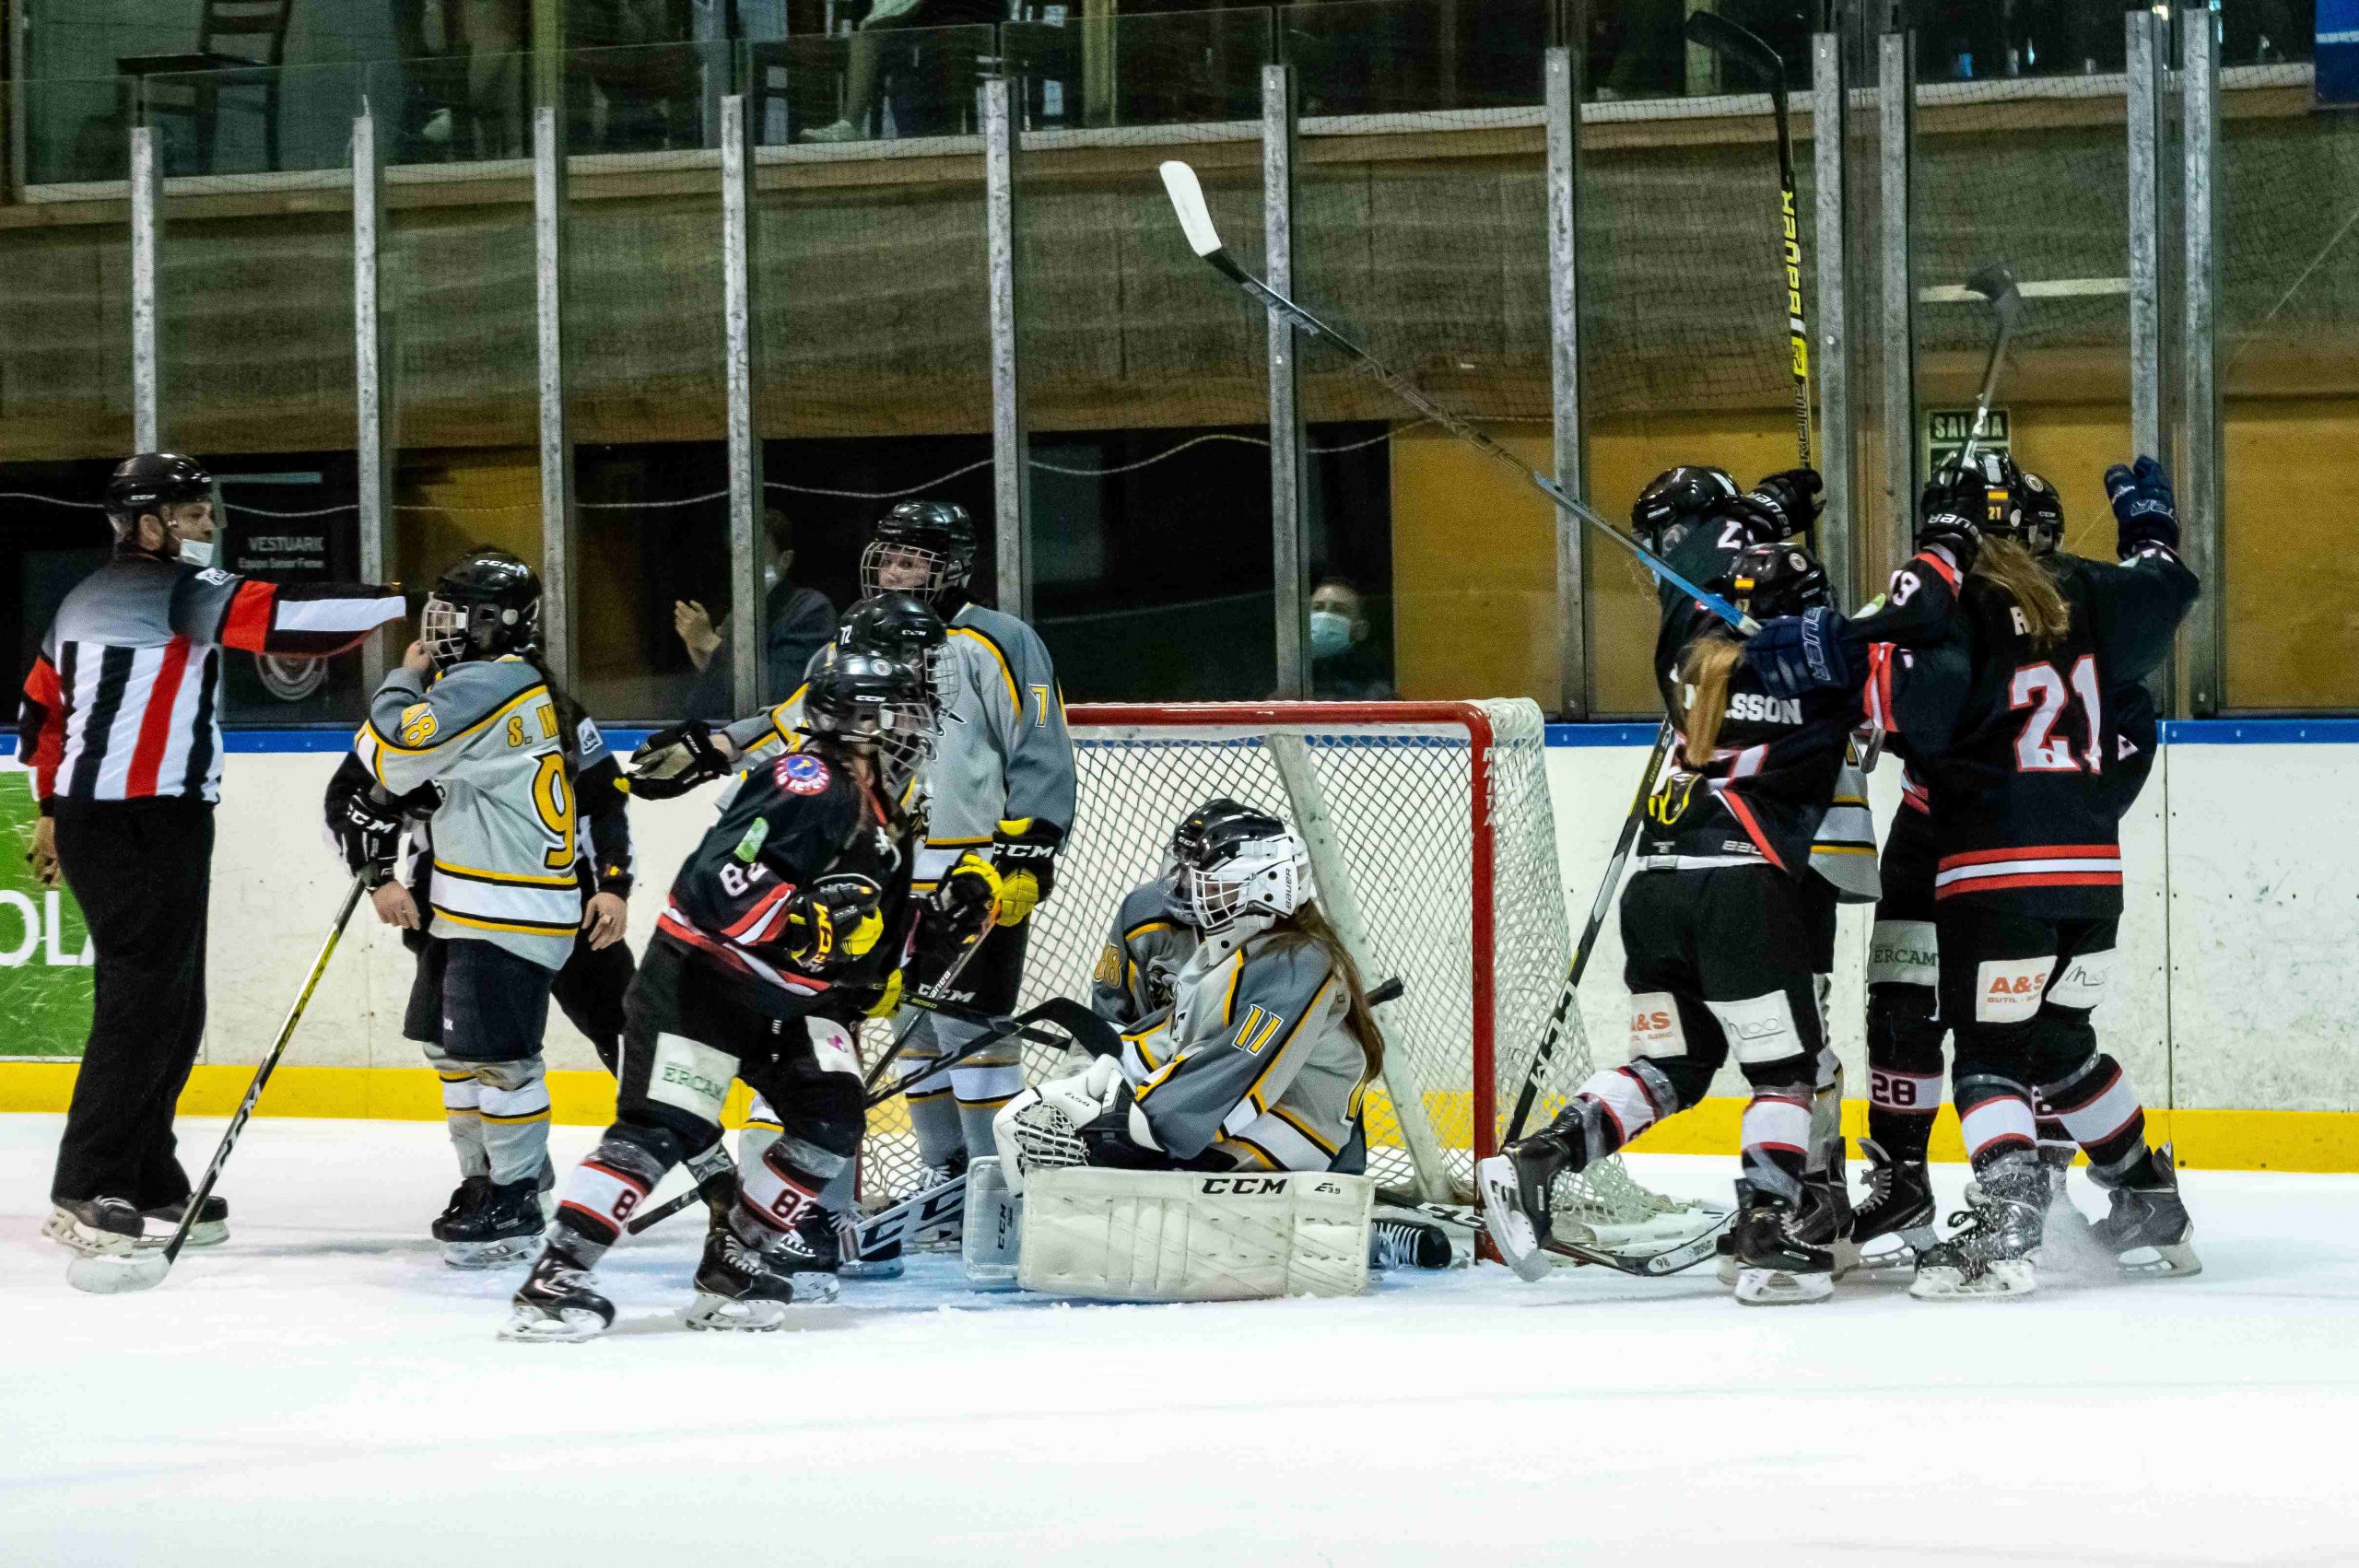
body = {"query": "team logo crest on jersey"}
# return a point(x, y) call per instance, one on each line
point(799, 772)
point(418, 724)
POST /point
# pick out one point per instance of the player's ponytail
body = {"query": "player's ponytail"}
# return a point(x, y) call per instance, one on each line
point(2015, 572)
point(1705, 671)
point(1309, 926)
point(570, 713)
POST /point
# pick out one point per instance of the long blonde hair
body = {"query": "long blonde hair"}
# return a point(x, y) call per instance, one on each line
point(1309, 926)
point(1705, 671)
point(2020, 574)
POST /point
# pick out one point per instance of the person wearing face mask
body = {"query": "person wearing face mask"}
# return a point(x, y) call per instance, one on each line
point(800, 620)
point(121, 726)
point(1345, 664)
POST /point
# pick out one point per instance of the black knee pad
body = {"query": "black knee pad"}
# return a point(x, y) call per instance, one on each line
point(657, 1133)
point(2064, 1042)
point(1688, 1078)
point(1903, 1036)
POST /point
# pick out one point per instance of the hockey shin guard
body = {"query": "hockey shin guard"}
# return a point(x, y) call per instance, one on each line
point(2096, 1107)
point(1904, 1069)
point(1777, 1140)
point(603, 1191)
point(782, 1189)
point(1994, 1113)
point(933, 1110)
point(515, 1116)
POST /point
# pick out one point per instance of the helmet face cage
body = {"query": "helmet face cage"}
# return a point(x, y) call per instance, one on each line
point(861, 710)
point(942, 570)
point(1676, 499)
point(455, 631)
point(443, 627)
point(1269, 875)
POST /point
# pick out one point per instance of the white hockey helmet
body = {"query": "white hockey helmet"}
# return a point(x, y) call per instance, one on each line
point(1240, 864)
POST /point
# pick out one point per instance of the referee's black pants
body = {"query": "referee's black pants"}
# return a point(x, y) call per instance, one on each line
point(142, 871)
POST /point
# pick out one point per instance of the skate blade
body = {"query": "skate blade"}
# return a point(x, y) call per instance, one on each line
point(1779, 1287)
point(2175, 1261)
point(205, 1233)
point(531, 1325)
point(877, 1268)
point(490, 1254)
point(1895, 1253)
point(1510, 1228)
point(2001, 1281)
point(73, 1235)
point(117, 1273)
point(725, 1314)
point(1730, 1270)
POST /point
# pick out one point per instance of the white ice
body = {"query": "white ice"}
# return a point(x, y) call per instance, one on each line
point(323, 1391)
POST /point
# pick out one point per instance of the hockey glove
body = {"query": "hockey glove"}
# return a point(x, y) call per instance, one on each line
point(961, 912)
point(1780, 507)
point(1955, 535)
point(1795, 654)
point(2145, 514)
point(833, 921)
point(1025, 852)
point(369, 834)
point(888, 998)
point(673, 762)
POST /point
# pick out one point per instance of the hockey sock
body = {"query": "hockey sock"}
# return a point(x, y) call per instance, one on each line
point(2096, 1107)
point(515, 1116)
point(1904, 1069)
point(461, 1102)
point(1776, 1138)
point(761, 1130)
point(1627, 1100)
point(783, 1186)
point(981, 1092)
point(602, 1192)
point(942, 1136)
point(1994, 1113)
point(1826, 1117)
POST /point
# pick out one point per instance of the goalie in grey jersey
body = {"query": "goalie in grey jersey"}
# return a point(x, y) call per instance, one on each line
point(1263, 1056)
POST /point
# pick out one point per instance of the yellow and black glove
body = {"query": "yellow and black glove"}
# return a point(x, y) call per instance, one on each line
point(889, 997)
point(833, 921)
point(1024, 850)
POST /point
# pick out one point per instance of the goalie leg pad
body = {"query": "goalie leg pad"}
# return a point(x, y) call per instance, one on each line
point(1184, 1235)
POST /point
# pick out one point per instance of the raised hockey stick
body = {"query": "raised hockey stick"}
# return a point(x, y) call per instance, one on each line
point(1187, 195)
point(1996, 284)
point(116, 1273)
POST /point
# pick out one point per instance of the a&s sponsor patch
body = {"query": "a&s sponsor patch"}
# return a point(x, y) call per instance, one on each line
point(2008, 990)
point(799, 772)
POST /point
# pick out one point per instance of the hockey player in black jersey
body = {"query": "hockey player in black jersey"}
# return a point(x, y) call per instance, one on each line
point(784, 928)
point(2013, 736)
point(1724, 929)
point(2090, 1104)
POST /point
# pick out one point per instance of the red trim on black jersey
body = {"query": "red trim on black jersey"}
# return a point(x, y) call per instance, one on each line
point(1744, 815)
point(1940, 567)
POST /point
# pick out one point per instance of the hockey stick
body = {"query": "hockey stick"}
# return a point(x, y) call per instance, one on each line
point(1187, 195)
point(901, 1037)
point(1996, 284)
point(1724, 38)
point(113, 1274)
point(1645, 1265)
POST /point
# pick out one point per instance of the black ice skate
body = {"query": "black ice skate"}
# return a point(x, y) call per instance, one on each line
point(1407, 1244)
point(500, 1229)
point(556, 1305)
point(212, 1227)
point(95, 1227)
point(1991, 1254)
point(2148, 1230)
point(465, 1199)
point(1897, 1211)
point(1776, 1266)
point(742, 1290)
point(1825, 1222)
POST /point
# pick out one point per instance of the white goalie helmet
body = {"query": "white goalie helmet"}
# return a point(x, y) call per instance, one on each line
point(1241, 864)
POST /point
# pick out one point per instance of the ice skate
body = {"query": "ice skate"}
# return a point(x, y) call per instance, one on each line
point(1776, 1266)
point(1991, 1256)
point(556, 1305)
point(95, 1227)
point(742, 1290)
point(1407, 1244)
point(1897, 1213)
point(212, 1227)
point(2148, 1230)
point(465, 1199)
point(502, 1228)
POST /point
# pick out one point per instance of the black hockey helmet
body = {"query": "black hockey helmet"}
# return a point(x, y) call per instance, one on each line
point(875, 703)
point(151, 481)
point(1676, 499)
point(2002, 500)
point(1241, 864)
point(939, 533)
point(1769, 580)
point(487, 604)
point(2035, 514)
point(1189, 829)
point(901, 626)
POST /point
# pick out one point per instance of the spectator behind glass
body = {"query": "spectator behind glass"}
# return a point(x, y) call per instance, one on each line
point(801, 620)
point(1345, 663)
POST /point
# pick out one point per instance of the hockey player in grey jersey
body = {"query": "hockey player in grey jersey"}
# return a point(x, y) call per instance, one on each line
point(1000, 785)
point(472, 713)
point(1263, 1058)
point(1152, 936)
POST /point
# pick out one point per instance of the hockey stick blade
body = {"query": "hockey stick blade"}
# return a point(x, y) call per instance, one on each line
point(1187, 193)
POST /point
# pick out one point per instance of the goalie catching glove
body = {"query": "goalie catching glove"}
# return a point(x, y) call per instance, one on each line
point(1048, 1127)
point(673, 762)
point(833, 921)
point(1024, 852)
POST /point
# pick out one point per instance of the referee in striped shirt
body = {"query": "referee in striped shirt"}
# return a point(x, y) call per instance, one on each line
point(121, 728)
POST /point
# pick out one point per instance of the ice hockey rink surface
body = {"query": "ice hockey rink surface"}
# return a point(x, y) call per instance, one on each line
point(323, 1391)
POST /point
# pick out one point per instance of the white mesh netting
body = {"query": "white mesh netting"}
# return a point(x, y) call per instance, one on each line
point(1451, 901)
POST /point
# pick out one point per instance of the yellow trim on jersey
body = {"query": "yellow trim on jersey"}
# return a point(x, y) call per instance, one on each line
point(1231, 1141)
point(1253, 1089)
point(1015, 697)
point(1842, 849)
point(1847, 800)
point(474, 873)
point(541, 1115)
point(1138, 1043)
point(779, 730)
point(1330, 1150)
point(527, 694)
point(546, 928)
point(1145, 927)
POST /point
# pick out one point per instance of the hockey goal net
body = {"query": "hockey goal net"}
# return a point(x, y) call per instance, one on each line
point(1434, 850)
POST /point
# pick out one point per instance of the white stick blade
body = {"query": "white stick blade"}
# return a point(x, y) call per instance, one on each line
point(114, 1274)
point(1187, 200)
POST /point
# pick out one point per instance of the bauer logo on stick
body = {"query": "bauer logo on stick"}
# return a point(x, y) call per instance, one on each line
point(799, 772)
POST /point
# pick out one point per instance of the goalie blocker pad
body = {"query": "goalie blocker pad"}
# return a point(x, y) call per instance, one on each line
point(1192, 1236)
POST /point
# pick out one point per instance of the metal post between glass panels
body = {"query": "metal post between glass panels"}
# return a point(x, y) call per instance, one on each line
point(745, 436)
point(372, 449)
point(1562, 72)
point(1011, 459)
point(1286, 538)
point(2145, 35)
point(556, 449)
point(1826, 136)
point(147, 357)
point(2200, 479)
point(1896, 111)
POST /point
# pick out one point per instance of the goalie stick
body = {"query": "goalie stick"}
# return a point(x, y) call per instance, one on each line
point(1654, 1265)
point(112, 1274)
point(1187, 193)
